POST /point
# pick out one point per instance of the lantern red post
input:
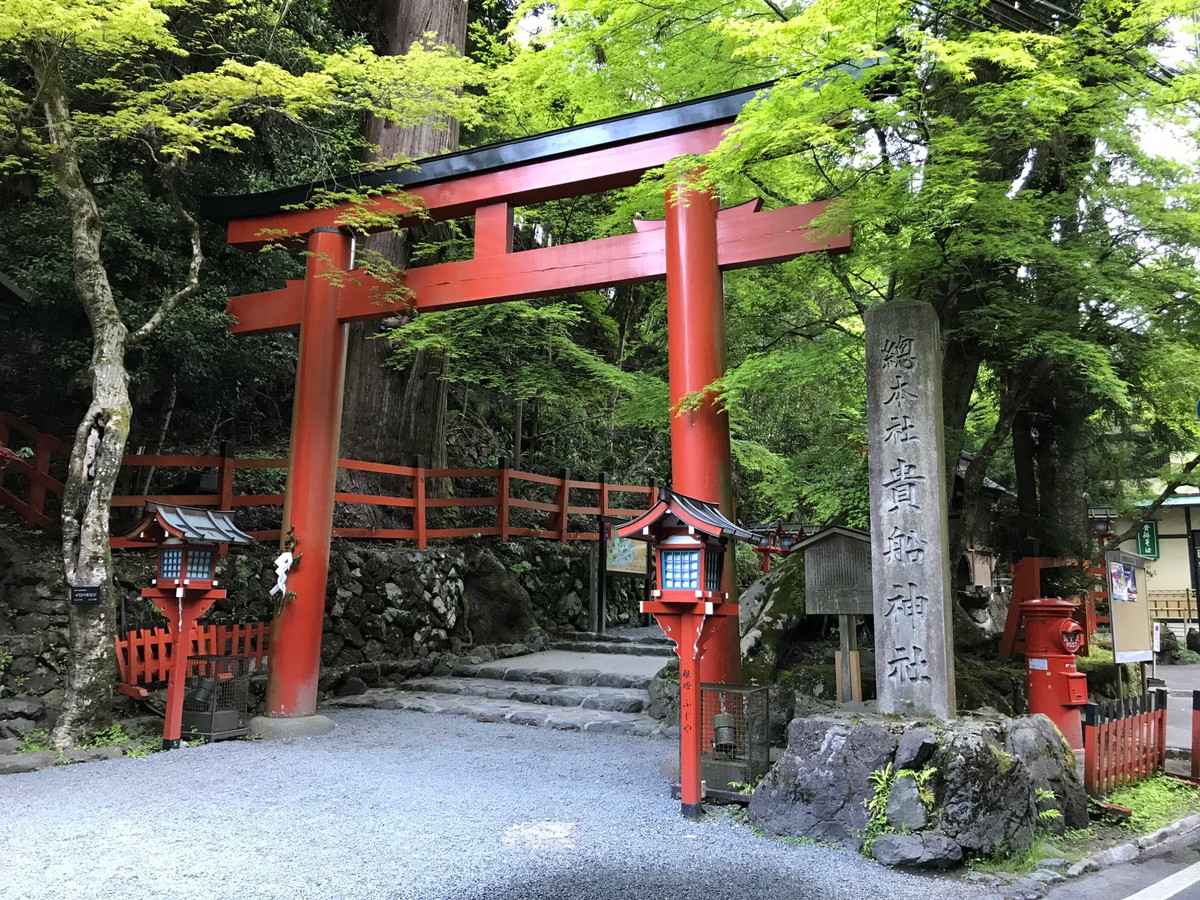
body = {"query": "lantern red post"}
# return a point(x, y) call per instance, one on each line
point(188, 541)
point(182, 608)
point(690, 539)
point(308, 511)
point(700, 456)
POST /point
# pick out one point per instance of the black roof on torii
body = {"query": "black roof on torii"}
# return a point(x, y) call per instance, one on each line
point(663, 120)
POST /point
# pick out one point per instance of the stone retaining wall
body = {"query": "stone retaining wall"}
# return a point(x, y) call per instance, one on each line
point(387, 605)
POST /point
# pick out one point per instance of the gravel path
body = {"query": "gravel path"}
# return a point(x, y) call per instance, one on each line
point(397, 805)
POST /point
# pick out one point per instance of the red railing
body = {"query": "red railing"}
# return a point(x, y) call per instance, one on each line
point(35, 470)
point(424, 525)
point(144, 655)
point(1123, 741)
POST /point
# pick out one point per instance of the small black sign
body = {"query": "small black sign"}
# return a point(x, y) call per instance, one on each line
point(85, 593)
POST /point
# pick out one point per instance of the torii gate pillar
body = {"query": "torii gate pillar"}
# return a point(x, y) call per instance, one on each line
point(312, 479)
point(701, 466)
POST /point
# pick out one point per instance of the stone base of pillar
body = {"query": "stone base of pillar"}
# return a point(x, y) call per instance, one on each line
point(271, 729)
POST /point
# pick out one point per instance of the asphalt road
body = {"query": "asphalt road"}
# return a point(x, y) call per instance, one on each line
point(1181, 681)
point(1157, 877)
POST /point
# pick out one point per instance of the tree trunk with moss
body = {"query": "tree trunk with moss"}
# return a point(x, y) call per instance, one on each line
point(100, 439)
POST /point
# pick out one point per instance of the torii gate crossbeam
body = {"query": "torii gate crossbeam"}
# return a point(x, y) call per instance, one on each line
point(690, 249)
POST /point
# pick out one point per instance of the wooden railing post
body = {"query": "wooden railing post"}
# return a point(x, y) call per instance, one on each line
point(420, 526)
point(225, 471)
point(41, 472)
point(653, 492)
point(502, 492)
point(225, 474)
point(562, 501)
point(1091, 756)
point(1160, 730)
point(597, 599)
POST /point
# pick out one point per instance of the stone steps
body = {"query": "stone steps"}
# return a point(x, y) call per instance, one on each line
point(626, 649)
point(611, 637)
point(569, 687)
point(638, 644)
point(610, 699)
point(511, 670)
point(483, 709)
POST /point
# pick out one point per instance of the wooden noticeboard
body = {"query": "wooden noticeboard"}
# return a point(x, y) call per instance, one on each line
point(623, 556)
point(1129, 608)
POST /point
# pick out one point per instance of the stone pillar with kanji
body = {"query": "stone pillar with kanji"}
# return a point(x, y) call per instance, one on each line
point(914, 643)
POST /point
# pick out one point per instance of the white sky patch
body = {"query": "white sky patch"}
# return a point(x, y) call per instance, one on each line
point(1020, 180)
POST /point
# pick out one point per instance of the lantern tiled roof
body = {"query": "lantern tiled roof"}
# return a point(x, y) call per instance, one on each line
point(675, 510)
point(188, 523)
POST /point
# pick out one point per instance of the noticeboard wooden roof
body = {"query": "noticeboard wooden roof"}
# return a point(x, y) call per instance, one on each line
point(831, 531)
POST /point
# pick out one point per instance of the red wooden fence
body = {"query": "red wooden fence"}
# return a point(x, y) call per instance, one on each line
point(556, 526)
point(144, 655)
point(1123, 741)
point(35, 470)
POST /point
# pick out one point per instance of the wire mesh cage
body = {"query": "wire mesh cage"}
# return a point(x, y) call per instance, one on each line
point(215, 697)
point(735, 723)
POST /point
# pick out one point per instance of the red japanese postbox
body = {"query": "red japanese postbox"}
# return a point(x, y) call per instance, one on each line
point(1056, 689)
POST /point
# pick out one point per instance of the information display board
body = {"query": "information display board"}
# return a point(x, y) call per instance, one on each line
point(624, 556)
point(1129, 608)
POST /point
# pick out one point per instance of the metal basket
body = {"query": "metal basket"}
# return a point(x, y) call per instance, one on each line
point(735, 725)
point(215, 697)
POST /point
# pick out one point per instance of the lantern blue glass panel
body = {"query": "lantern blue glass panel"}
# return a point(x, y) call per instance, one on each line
point(172, 563)
point(200, 563)
point(712, 570)
point(680, 570)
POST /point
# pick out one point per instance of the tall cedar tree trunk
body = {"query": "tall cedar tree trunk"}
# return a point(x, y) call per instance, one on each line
point(1050, 438)
point(388, 415)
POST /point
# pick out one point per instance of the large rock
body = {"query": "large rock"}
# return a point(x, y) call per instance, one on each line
point(985, 793)
point(905, 812)
point(921, 851)
point(499, 610)
point(1041, 747)
point(982, 773)
point(818, 788)
point(769, 612)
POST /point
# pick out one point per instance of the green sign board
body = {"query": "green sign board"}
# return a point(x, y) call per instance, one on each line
point(1147, 540)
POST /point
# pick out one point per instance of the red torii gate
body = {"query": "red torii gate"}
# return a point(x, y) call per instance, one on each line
point(691, 248)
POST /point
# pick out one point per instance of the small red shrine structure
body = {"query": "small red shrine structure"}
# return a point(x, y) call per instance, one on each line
point(188, 542)
point(691, 248)
point(690, 539)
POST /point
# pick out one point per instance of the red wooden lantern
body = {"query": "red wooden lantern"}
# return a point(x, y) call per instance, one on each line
point(188, 542)
point(690, 539)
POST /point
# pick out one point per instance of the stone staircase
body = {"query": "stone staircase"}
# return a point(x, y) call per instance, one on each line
point(584, 682)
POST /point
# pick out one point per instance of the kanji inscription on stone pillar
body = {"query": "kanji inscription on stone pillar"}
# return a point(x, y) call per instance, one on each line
point(914, 644)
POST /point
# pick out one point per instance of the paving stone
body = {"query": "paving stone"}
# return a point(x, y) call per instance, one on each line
point(1053, 863)
point(93, 754)
point(17, 763)
point(1045, 876)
